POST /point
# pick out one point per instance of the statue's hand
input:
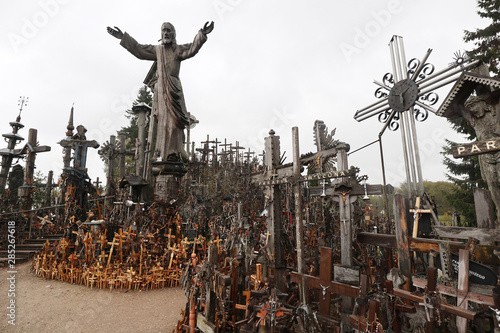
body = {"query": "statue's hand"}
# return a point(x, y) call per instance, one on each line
point(207, 28)
point(116, 32)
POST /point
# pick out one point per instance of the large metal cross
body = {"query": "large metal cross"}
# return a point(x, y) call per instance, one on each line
point(406, 95)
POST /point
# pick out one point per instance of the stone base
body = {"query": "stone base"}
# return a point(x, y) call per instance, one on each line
point(168, 168)
point(167, 187)
point(167, 179)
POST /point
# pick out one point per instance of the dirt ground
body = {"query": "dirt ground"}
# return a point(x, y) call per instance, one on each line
point(52, 306)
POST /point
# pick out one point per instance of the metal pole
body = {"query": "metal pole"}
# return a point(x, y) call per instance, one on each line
point(405, 154)
point(411, 153)
point(417, 154)
point(393, 61)
point(386, 204)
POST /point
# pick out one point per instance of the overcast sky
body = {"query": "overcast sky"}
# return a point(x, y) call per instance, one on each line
point(267, 64)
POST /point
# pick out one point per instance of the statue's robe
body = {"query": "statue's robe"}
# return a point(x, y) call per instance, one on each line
point(169, 106)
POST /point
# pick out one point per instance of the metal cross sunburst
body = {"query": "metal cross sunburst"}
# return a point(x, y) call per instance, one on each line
point(407, 94)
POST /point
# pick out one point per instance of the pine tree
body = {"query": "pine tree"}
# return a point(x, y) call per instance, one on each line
point(464, 172)
point(131, 131)
point(487, 40)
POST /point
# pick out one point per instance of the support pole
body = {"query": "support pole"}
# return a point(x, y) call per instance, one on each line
point(299, 228)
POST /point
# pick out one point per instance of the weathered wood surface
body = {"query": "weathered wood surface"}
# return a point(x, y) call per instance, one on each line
point(324, 281)
point(428, 244)
point(402, 236)
point(374, 189)
point(485, 236)
point(450, 291)
point(483, 253)
point(334, 287)
point(315, 176)
point(448, 308)
point(463, 285)
point(203, 324)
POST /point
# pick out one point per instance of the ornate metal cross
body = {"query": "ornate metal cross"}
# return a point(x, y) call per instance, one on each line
point(407, 95)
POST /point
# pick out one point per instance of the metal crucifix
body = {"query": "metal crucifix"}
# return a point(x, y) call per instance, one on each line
point(407, 95)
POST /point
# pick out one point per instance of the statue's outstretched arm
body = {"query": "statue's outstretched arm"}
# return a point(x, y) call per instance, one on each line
point(207, 28)
point(116, 32)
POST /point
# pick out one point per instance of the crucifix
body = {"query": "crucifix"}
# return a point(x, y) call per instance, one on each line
point(324, 282)
point(30, 150)
point(407, 95)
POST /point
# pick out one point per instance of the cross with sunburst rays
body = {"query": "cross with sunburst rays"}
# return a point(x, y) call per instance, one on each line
point(407, 94)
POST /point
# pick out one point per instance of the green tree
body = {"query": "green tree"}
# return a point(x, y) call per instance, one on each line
point(464, 172)
point(131, 131)
point(39, 181)
point(487, 40)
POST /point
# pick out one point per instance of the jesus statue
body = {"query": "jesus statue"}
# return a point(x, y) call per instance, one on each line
point(170, 106)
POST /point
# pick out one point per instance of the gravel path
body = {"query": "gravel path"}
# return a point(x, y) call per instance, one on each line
point(52, 306)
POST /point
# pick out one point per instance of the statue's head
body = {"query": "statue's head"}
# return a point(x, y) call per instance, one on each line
point(168, 34)
point(478, 106)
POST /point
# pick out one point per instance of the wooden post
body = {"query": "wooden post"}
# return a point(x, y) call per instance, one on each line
point(111, 172)
point(299, 227)
point(141, 110)
point(272, 144)
point(463, 285)
point(213, 258)
point(401, 226)
point(122, 156)
point(430, 324)
point(48, 189)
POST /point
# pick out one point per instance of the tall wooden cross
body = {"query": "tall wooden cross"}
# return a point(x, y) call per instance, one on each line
point(236, 149)
point(324, 282)
point(30, 150)
point(272, 163)
point(407, 95)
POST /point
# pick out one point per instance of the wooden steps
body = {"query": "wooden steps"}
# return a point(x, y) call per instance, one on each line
point(27, 249)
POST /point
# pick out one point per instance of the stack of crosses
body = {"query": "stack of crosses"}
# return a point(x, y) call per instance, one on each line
point(129, 261)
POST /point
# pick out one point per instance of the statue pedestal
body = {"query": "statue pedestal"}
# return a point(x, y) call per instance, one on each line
point(167, 179)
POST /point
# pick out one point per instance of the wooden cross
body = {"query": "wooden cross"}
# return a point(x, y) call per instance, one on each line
point(368, 211)
point(113, 243)
point(217, 242)
point(169, 236)
point(237, 147)
point(324, 282)
point(416, 215)
point(430, 305)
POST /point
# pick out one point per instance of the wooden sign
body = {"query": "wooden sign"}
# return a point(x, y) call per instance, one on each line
point(478, 273)
point(476, 148)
